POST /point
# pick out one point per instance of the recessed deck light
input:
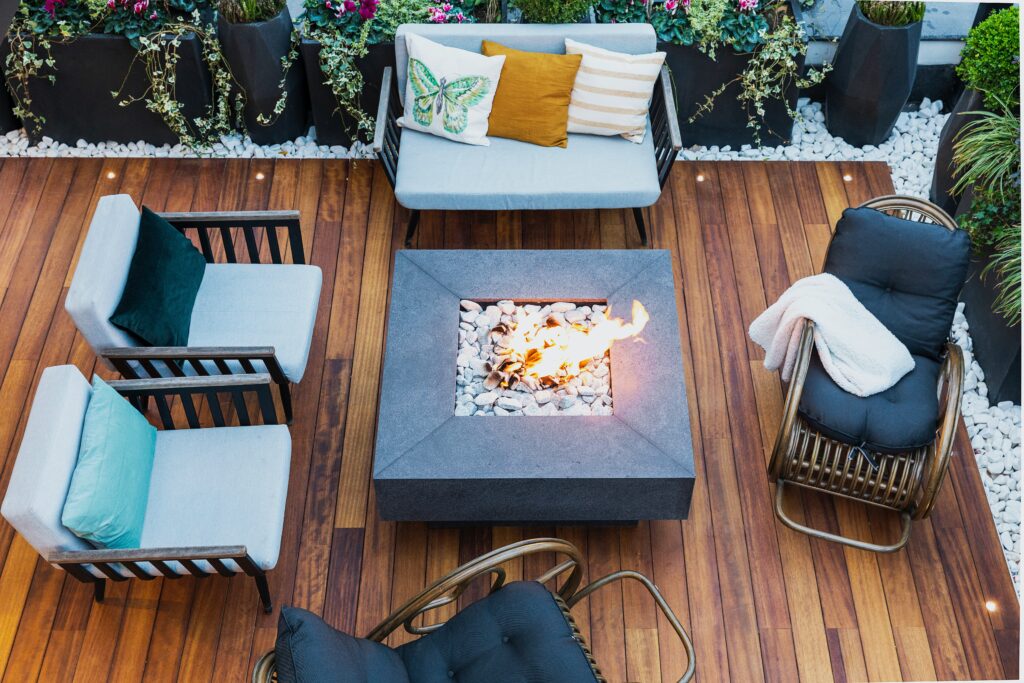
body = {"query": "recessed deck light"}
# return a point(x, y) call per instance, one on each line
point(260, 176)
point(700, 177)
point(991, 606)
point(111, 175)
point(847, 178)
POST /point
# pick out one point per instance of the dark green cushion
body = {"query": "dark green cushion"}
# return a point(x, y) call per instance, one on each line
point(163, 280)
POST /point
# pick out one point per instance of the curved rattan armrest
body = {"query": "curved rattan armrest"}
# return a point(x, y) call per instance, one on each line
point(951, 391)
point(658, 598)
point(795, 391)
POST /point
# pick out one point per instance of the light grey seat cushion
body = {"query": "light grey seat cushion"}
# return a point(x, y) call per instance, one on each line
point(220, 486)
point(259, 305)
point(593, 172)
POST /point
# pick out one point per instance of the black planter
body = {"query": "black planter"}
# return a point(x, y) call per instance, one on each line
point(695, 76)
point(332, 126)
point(8, 121)
point(996, 343)
point(254, 52)
point(944, 178)
point(78, 104)
point(872, 76)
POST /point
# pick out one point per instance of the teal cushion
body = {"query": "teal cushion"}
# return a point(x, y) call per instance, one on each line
point(163, 280)
point(106, 502)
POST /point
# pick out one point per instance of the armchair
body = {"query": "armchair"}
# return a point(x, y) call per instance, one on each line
point(538, 624)
point(254, 313)
point(216, 495)
point(892, 449)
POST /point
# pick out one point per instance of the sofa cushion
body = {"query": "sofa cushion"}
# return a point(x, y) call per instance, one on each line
point(106, 501)
point(630, 38)
point(241, 304)
point(220, 486)
point(515, 634)
point(102, 271)
point(898, 419)
point(308, 650)
point(594, 172)
point(908, 274)
point(165, 274)
point(49, 450)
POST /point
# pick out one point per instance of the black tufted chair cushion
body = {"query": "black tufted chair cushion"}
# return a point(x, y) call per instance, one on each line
point(908, 274)
point(516, 635)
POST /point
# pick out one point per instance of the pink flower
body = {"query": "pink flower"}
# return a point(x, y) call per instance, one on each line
point(350, 6)
point(51, 7)
point(748, 4)
point(152, 16)
point(671, 5)
point(111, 4)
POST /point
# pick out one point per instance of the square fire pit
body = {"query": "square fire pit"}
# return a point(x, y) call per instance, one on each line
point(431, 464)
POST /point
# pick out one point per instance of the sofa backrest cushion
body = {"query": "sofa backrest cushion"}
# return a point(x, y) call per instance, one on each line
point(908, 274)
point(49, 450)
point(102, 271)
point(629, 38)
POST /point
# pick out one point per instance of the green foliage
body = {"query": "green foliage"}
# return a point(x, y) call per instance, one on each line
point(1006, 265)
point(892, 12)
point(553, 11)
point(986, 152)
point(247, 11)
point(990, 59)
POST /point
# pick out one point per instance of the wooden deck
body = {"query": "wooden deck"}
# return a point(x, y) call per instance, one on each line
point(762, 603)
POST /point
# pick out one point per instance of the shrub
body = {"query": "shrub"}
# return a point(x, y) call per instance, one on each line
point(246, 11)
point(553, 11)
point(889, 13)
point(990, 60)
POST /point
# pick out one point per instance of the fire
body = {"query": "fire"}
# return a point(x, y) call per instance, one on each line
point(543, 350)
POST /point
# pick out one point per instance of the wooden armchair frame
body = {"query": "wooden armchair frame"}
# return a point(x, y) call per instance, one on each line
point(906, 483)
point(222, 236)
point(447, 590)
point(387, 138)
point(163, 392)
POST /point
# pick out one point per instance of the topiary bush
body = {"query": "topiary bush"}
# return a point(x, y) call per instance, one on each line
point(553, 11)
point(990, 59)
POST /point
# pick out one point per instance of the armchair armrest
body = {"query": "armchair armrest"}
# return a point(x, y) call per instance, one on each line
point(795, 391)
point(387, 134)
point(164, 389)
point(951, 391)
point(221, 223)
point(665, 125)
point(136, 362)
point(75, 561)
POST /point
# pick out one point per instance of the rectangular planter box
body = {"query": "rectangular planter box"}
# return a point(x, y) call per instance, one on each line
point(695, 75)
point(79, 106)
point(996, 344)
point(332, 126)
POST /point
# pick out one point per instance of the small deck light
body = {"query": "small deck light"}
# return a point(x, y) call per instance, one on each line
point(260, 176)
point(847, 178)
point(700, 177)
point(111, 175)
point(991, 605)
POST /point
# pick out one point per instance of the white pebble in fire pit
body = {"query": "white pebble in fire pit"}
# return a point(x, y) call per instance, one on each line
point(501, 372)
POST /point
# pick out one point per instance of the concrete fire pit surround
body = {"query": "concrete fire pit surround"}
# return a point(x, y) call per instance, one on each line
point(430, 465)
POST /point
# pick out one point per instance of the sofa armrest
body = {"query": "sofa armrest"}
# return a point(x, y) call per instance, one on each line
point(75, 562)
point(665, 125)
point(138, 362)
point(387, 134)
point(210, 225)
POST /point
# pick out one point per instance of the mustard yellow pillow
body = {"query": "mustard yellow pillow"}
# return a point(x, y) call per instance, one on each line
point(532, 101)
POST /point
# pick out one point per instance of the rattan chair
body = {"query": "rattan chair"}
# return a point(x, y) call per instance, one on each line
point(906, 483)
point(447, 590)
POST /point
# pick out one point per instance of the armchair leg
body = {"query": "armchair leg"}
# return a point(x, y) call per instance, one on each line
point(99, 589)
point(264, 589)
point(286, 403)
point(638, 216)
point(414, 220)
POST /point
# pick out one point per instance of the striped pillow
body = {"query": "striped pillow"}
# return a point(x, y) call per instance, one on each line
point(612, 92)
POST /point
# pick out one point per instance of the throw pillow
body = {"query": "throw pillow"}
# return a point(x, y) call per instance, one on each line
point(613, 91)
point(163, 280)
point(448, 91)
point(532, 101)
point(106, 501)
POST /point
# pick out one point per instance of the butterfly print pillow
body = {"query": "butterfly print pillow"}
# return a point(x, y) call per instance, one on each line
point(448, 91)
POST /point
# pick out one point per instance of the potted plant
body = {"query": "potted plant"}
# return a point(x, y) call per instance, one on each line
point(737, 65)
point(123, 71)
point(987, 158)
point(989, 65)
point(873, 70)
point(261, 48)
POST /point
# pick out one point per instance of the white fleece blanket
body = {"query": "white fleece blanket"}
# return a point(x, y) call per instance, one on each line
point(857, 351)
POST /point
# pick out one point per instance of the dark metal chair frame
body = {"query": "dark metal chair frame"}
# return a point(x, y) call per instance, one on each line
point(906, 483)
point(387, 139)
point(447, 590)
point(163, 392)
point(217, 233)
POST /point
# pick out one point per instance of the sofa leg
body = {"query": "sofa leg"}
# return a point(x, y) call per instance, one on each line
point(414, 220)
point(264, 589)
point(638, 216)
point(99, 590)
point(286, 403)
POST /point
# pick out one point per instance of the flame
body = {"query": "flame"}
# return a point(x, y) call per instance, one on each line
point(557, 352)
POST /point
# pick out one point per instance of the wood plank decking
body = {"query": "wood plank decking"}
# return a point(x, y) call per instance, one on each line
point(762, 603)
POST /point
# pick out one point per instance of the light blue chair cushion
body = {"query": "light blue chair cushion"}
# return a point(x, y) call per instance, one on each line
point(106, 501)
point(593, 172)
